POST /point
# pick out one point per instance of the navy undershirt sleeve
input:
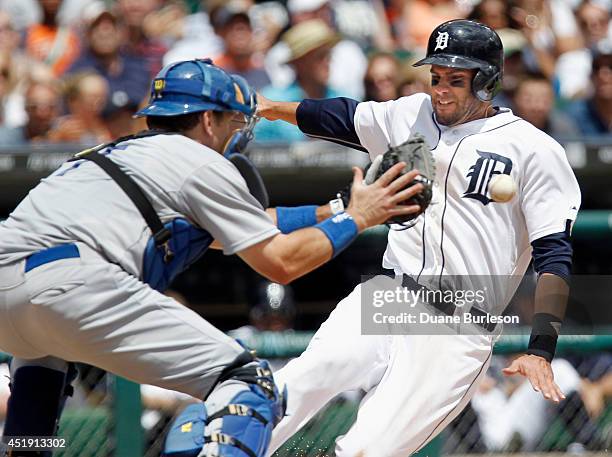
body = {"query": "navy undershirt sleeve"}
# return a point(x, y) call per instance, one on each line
point(553, 254)
point(330, 119)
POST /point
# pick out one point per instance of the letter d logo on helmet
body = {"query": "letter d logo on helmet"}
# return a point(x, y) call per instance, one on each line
point(471, 45)
point(197, 85)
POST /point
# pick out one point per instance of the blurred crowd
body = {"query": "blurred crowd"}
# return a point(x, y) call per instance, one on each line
point(76, 70)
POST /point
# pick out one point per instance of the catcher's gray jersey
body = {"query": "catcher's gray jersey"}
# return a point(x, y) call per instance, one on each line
point(93, 306)
point(182, 179)
point(463, 232)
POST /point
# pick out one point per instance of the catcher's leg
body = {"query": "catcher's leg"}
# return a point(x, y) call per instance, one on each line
point(339, 358)
point(429, 380)
point(112, 320)
point(236, 419)
point(39, 389)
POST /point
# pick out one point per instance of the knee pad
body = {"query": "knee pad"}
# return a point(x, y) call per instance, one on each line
point(236, 420)
point(38, 395)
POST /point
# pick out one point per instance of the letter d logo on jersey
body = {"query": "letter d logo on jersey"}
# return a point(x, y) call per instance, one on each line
point(487, 165)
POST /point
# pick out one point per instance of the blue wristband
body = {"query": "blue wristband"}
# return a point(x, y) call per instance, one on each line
point(341, 231)
point(291, 219)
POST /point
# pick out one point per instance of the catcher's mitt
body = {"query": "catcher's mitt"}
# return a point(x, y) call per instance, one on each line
point(417, 155)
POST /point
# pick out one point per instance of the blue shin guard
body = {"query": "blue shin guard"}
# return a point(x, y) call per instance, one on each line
point(236, 420)
point(186, 436)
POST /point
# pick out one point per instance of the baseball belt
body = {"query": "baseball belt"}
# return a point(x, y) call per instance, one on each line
point(447, 308)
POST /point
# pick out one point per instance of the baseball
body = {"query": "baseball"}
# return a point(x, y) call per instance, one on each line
point(502, 188)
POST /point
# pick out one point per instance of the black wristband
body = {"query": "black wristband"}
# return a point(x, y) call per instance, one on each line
point(544, 334)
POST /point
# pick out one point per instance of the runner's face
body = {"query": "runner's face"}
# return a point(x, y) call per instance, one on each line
point(451, 96)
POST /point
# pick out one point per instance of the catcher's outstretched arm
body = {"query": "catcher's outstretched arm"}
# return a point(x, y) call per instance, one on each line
point(320, 213)
point(284, 257)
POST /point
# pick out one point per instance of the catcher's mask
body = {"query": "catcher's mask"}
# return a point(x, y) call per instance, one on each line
point(241, 136)
point(468, 45)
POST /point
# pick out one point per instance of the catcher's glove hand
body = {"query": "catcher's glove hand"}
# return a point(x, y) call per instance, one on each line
point(417, 155)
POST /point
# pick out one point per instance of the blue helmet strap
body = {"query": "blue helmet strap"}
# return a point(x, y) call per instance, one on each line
point(207, 84)
point(164, 71)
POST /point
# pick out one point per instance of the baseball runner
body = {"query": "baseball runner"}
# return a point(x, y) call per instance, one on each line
point(417, 384)
point(84, 256)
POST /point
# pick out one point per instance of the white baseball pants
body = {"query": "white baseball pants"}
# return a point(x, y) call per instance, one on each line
point(416, 384)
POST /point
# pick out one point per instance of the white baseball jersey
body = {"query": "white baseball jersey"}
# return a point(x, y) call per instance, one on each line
point(464, 232)
point(181, 178)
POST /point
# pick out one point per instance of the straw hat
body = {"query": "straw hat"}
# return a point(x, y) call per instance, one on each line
point(308, 36)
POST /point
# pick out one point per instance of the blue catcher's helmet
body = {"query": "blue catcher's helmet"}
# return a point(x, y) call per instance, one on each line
point(198, 85)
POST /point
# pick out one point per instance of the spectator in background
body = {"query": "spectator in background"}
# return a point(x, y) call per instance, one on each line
point(508, 410)
point(551, 42)
point(120, 121)
point(232, 23)
point(42, 105)
point(348, 61)
point(12, 113)
point(9, 37)
point(593, 116)
point(310, 44)
point(515, 68)
point(86, 96)
point(554, 44)
point(534, 101)
point(594, 20)
point(166, 24)
point(137, 44)
point(494, 13)
point(365, 22)
point(24, 13)
point(16, 71)
point(381, 78)
point(593, 17)
point(198, 39)
point(420, 17)
point(48, 42)
point(268, 19)
point(413, 80)
point(125, 74)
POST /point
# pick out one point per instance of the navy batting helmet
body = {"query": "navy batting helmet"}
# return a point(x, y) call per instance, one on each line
point(471, 45)
point(197, 85)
